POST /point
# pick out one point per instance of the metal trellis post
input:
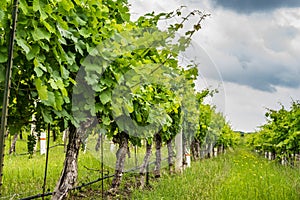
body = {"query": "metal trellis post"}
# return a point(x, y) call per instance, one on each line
point(46, 164)
point(7, 87)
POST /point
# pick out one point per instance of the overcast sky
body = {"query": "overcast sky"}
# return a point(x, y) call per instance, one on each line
point(248, 49)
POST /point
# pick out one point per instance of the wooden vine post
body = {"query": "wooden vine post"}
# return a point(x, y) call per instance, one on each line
point(7, 87)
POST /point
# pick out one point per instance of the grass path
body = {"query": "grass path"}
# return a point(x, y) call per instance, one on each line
point(237, 175)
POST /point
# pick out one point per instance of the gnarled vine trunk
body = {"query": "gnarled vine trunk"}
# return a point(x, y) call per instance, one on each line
point(98, 144)
point(170, 155)
point(195, 147)
point(193, 150)
point(121, 155)
point(65, 138)
point(13, 144)
point(184, 151)
point(145, 164)
point(220, 148)
point(198, 149)
point(158, 144)
point(69, 173)
point(209, 150)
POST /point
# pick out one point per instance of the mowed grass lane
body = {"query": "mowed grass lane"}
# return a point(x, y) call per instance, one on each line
point(239, 174)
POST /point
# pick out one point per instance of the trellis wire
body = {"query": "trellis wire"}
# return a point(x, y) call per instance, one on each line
point(23, 154)
point(89, 183)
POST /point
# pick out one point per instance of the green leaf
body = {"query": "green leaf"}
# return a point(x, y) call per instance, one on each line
point(47, 116)
point(85, 32)
point(117, 111)
point(79, 46)
point(44, 46)
point(42, 89)
point(50, 28)
point(40, 34)
point(64, 72)
point(63, 27)
point(38, 71)
point(38, 5)
point(138, 117)
point(2, 73)
point(125, 16)
point(53, 84)
point(50, 101)
point(23, 44)
point(80, 21)
point(62, 88)
point(106, 120)
point(60, 84)
point(39, 65)
point(98, 107)
point(105, 97)
point(23, 6)
point(67, 5)
point(35, 49)
point(2, 14)
point(72, 81)
point(129, 106)
point(3, 57)
point(58, 100)
point(108, 81)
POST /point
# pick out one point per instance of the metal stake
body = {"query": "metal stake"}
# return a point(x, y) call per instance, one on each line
point(7, 87)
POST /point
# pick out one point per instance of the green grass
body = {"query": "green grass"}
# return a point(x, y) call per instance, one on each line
point(236, 175)
point(24, 177)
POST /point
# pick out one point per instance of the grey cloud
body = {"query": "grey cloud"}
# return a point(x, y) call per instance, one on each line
point(255, 68)
point(279, 38)
point(264, 78)
point(254, 51)
point(249, 6)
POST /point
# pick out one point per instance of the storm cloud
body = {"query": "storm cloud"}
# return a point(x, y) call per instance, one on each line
point(260, 51)
point(249, 6)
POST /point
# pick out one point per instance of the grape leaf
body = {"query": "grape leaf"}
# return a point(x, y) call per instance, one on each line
point(105, 97)
point(23, 44)
point(42, 89)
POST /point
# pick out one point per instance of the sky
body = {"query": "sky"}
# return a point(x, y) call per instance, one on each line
point(248, 49)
